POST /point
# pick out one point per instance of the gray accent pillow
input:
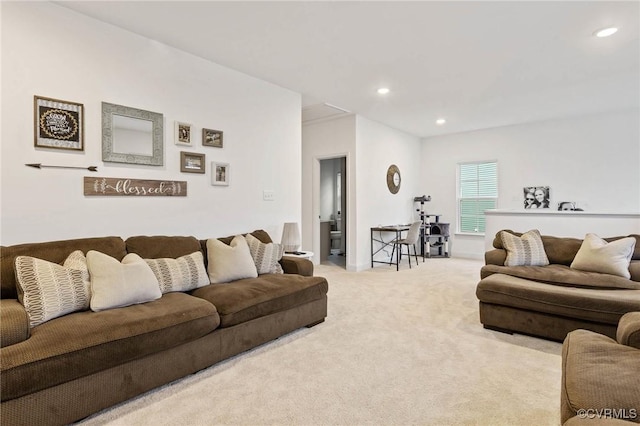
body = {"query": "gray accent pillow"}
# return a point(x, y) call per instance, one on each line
point(265, 256)
point(182, 274)
point(49, 290)
point(526, 250)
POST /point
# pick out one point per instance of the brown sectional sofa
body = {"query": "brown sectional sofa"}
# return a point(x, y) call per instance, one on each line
point(601, 376)
point(75, 365)
point(550, 301)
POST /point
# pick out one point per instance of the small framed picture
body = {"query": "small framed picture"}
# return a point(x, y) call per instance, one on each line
point(183, 133)
point(536, 197)
point(58, 124)
point(220, 173)
point(191, 162)
point(212, 138)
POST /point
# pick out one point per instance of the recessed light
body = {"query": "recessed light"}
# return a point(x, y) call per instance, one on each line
point(440, 121)
point(605, 32)
point(383, 91)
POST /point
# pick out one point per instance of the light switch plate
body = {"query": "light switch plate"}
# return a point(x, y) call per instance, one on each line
point(268, 195)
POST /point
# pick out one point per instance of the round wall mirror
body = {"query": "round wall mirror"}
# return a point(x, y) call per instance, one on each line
point(393, 179)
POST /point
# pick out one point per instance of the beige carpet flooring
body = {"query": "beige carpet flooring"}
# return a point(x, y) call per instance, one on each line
point(397, 348)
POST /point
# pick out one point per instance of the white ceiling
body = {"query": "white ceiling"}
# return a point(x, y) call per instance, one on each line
point(478, 64)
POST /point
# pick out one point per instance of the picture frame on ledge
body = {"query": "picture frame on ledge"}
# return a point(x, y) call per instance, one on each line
point(212, 138)
point(220, 173)
point(58, 124)
point(192, 162)
point(537, 197)
point(183, 133)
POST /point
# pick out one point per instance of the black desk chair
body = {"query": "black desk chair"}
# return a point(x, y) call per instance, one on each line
point(410, 240)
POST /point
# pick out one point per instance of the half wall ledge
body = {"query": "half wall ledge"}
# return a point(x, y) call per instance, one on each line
point(574, 224)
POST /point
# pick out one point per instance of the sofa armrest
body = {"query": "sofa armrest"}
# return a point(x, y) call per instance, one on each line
point(629, 330)
point(14, 322)
point(296, 265)
point(495, 257)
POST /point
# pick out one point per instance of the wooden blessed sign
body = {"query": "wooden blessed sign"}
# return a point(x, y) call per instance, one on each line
point(134, 187)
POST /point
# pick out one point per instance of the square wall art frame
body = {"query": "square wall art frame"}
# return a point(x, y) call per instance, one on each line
point(58, 124)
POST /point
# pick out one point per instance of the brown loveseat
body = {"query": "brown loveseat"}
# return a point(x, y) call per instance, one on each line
point(72, 366)
point(601, 376)
point(550, 301)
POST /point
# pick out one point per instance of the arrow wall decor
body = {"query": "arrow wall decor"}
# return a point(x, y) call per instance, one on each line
point(43, 166)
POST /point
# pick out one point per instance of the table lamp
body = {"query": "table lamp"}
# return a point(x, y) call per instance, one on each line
point(290, 237)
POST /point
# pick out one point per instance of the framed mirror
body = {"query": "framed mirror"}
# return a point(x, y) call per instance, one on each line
point(131, 135)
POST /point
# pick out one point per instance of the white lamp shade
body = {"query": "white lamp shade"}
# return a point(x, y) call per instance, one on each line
point(290, 237)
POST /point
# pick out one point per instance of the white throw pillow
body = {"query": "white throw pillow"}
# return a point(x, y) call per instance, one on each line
point(597, 255)
point(230, 262)
point(50, 290)
point(182, 274)
point(526, 250)
point(116, 284)
point(266, 256)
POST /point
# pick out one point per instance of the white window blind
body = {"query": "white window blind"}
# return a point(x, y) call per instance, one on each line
point(477, 192)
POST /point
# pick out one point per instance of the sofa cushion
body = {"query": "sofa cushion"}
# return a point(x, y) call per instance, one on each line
point(265, 256)
point(230, 262)
point(182, 274)
point(591, 304)
point(562, 275)
point(562, 250)
point(48, 290)
point(597, 255)
point(559, 250)
point(52, 251)
point(116, 284)
point(14, 322)
point(260, 234)
point(83, 343)
point(599, 374)
point(634, 270)
point(251, 298)
point(526, 249)
point(160, 246)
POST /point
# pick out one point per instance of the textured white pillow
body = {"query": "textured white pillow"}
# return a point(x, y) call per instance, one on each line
point(116, 284)
point(526, 250)
point(265, 255)
point(230, 262)
point(597, 255)
point(182, 274)
point(50, 290)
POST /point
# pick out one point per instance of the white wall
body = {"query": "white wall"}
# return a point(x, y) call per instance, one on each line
point(50, 51)
point(561, 223)
point(323, 140)
point(592, 160)
point(378, 147)
point(370, 149)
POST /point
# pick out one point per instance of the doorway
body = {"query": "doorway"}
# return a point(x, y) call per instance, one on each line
point(333, 211)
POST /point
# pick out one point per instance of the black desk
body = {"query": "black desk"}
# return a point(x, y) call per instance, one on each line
point(397, 231)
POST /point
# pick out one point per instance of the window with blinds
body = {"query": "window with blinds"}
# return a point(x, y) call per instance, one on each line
point(477, 192)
